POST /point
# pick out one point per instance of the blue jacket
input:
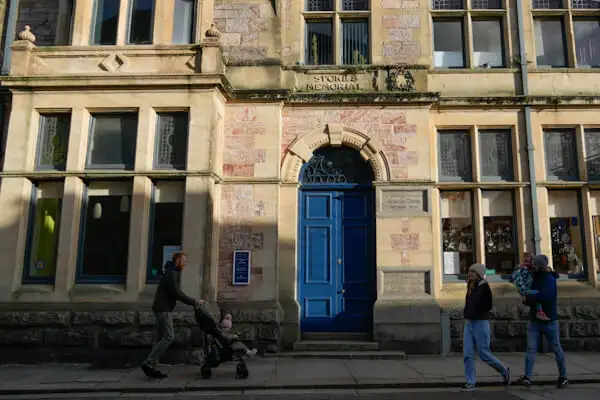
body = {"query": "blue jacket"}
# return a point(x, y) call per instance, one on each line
point(545, 285)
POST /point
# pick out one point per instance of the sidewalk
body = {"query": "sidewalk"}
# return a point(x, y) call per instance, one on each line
point(288, 373)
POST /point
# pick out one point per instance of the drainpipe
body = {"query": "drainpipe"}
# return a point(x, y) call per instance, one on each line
point(9, 36)
point(527, 110)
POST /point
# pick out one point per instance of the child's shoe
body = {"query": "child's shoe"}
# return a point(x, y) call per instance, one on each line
point(251, 353)
point(542, 316)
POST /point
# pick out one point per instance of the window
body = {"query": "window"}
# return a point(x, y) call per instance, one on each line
point(44, 225)
point(332, 25)
point(184, 21)
point(455, 156)
point(106, 21)
point(587, 42)
point(585, 4)
point(495, 149)
point(550, 42)
point(457, 232)
point(561, 155)
point(566, 232)
point(113, 141)
point(141, 17)
point(592, 152)
point(105, 232)
point(595, 212)
point(167, 225)
point(499, 231)
point(548, 4)
point(172, 135)
point(53, 141)
point(450, 47)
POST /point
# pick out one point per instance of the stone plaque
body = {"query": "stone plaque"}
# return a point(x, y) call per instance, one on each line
point(399, 202)
point(334, 81)
point(401, 283)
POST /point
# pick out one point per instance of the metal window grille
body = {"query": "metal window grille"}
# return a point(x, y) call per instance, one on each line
point(448, 4)
point(54, 140)
point(496, 154)
point(355, 5)
point(548, 4)
point(455, 156)
point(592, 149)
point(561, 155)
point(355, 42)
point(488, 4)
point(585, 4)
point(172, 138)
point(319, 5)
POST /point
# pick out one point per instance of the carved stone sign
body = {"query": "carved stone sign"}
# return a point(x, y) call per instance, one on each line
point(400, 202)
point(400, 283)
point(332, 82)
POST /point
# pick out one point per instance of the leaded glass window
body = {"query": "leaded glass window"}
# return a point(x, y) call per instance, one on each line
point(53, 141)
point(319, 5)
point(548, 4)
point(487, 4)
point(172, 138)
point(448, 4)
point(330, 165)
point(592, 149)
point(455, 156)
point(496, 154)
point(561, 155)
point(355, 5)
point(585, 4)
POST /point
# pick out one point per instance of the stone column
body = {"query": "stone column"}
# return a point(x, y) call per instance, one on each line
point(146, 135)
point(137, 260)
point(68, 239)
point(15, 197)
point(78, 139)
point(82, 22)
point(20, 138)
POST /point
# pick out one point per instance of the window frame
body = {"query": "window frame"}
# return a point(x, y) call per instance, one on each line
point(176, 167)
point(128, 42)
point(40, 136)
point(92, 126)
point(457, 277)
point(92, 41)
point(554, 178)
point(336, 16)
point(193, 26)
point(510, 157)
point(469, 134)
point(26, 277)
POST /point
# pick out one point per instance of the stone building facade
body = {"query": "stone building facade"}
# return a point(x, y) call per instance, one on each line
point(331, 168)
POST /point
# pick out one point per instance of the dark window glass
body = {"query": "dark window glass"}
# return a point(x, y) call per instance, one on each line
point(592, 150)
point(319, 5)
point(184, 22)
point(106, 237)
point(488, 48)
point(141, 21)
point(355, 5)
point(448, 4)
point(113, 141)
point(355, 42)
point(566, 232)
point(319, 42)
point(499, 231)
point(166, 235)
point(448, 43)
point(106, 21)
point(455, 156)
point(561, 155)
point(548, 4)
point(457, 232)
point(495, 148)
point(587, 42)
point(585, 4)
point(488, 4)
point(53, 141)
point(172, 139)
point(550, 42)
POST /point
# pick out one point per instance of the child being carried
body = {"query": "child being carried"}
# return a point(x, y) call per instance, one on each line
point(522, 278)
point(226, 325)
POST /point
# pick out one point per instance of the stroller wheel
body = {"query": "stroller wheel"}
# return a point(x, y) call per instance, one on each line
point(205, 372)
point(241, 371)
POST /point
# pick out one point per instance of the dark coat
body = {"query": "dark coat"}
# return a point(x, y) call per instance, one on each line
point(169, 291)
point(479, 303)
point(544, 282)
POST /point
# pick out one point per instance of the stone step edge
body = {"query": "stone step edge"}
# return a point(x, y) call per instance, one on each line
point(179, 388)
point(342, 355)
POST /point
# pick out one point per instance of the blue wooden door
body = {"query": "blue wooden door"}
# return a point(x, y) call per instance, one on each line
point(336, 264)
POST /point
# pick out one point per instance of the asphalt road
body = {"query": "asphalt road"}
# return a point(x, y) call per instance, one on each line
point(579, 392)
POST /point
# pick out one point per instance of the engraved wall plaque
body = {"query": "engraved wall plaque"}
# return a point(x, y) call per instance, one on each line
point(403, 202)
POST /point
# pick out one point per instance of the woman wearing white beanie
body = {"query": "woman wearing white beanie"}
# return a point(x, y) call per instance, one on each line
point(478, 304)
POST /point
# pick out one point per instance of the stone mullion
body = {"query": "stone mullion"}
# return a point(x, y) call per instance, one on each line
point(137, 259)
point(82, 22)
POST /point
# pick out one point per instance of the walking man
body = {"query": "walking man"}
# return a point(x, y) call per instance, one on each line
point(168, 293)
point(543, 290)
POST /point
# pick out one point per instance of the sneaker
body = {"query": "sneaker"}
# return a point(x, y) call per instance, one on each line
point(251, 353)
point(468, 387)
point(525, 381)
point(153, 373)
point(507, 377)
point(542, 316)
point(562, 382)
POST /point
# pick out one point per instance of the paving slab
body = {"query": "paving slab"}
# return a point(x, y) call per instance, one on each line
point(308, 372)
point(368, 370)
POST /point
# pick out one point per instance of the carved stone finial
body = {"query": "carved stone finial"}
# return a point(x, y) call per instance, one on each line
point(213, 32)
point(26, 34)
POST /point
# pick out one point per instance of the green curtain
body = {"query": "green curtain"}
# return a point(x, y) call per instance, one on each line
point(45, 242)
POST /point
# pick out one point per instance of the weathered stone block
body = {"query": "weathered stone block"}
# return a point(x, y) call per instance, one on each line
point(510, 329)
point(245, 332)
point(505, 312)
point(267, 332)
point(587, 312)
point(564, 312)
point(456, 313)
point(180, 318)
point(34, 318)
point(584, 329)
point(253, 315)
point(103, 317)
point(591, 345)
point(68, 337)
point(456, 330)
point(21, 337)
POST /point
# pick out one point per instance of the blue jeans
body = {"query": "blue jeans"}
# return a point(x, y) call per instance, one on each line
point(477, 334)
point(549, 329)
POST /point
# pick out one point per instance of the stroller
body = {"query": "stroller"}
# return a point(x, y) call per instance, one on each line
point(217, 348)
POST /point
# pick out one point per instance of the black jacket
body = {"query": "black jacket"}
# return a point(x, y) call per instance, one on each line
point(479, 303)
point(169, 291)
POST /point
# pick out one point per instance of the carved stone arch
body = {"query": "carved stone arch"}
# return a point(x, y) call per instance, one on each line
point(301, 150)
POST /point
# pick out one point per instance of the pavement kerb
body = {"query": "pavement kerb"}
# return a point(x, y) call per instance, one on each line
point(191, 387)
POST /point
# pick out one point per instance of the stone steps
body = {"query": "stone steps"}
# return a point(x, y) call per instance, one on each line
point(335, 345)
point(342, 355)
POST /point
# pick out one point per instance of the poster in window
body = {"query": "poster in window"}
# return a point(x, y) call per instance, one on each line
point(241, 267)
point(451, 263)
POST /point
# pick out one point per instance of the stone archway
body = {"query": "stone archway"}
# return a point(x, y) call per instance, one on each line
point(301, 150)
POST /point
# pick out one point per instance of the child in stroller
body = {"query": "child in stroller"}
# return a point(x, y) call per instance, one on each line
point(219, 347)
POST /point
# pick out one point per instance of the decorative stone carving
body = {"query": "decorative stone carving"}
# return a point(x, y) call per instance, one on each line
point(213, 33)
point(400, 80)
point(335, 134)
point(27, 35)
point(113, 63)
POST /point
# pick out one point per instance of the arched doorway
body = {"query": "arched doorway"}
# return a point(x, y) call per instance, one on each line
point(336, 243)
